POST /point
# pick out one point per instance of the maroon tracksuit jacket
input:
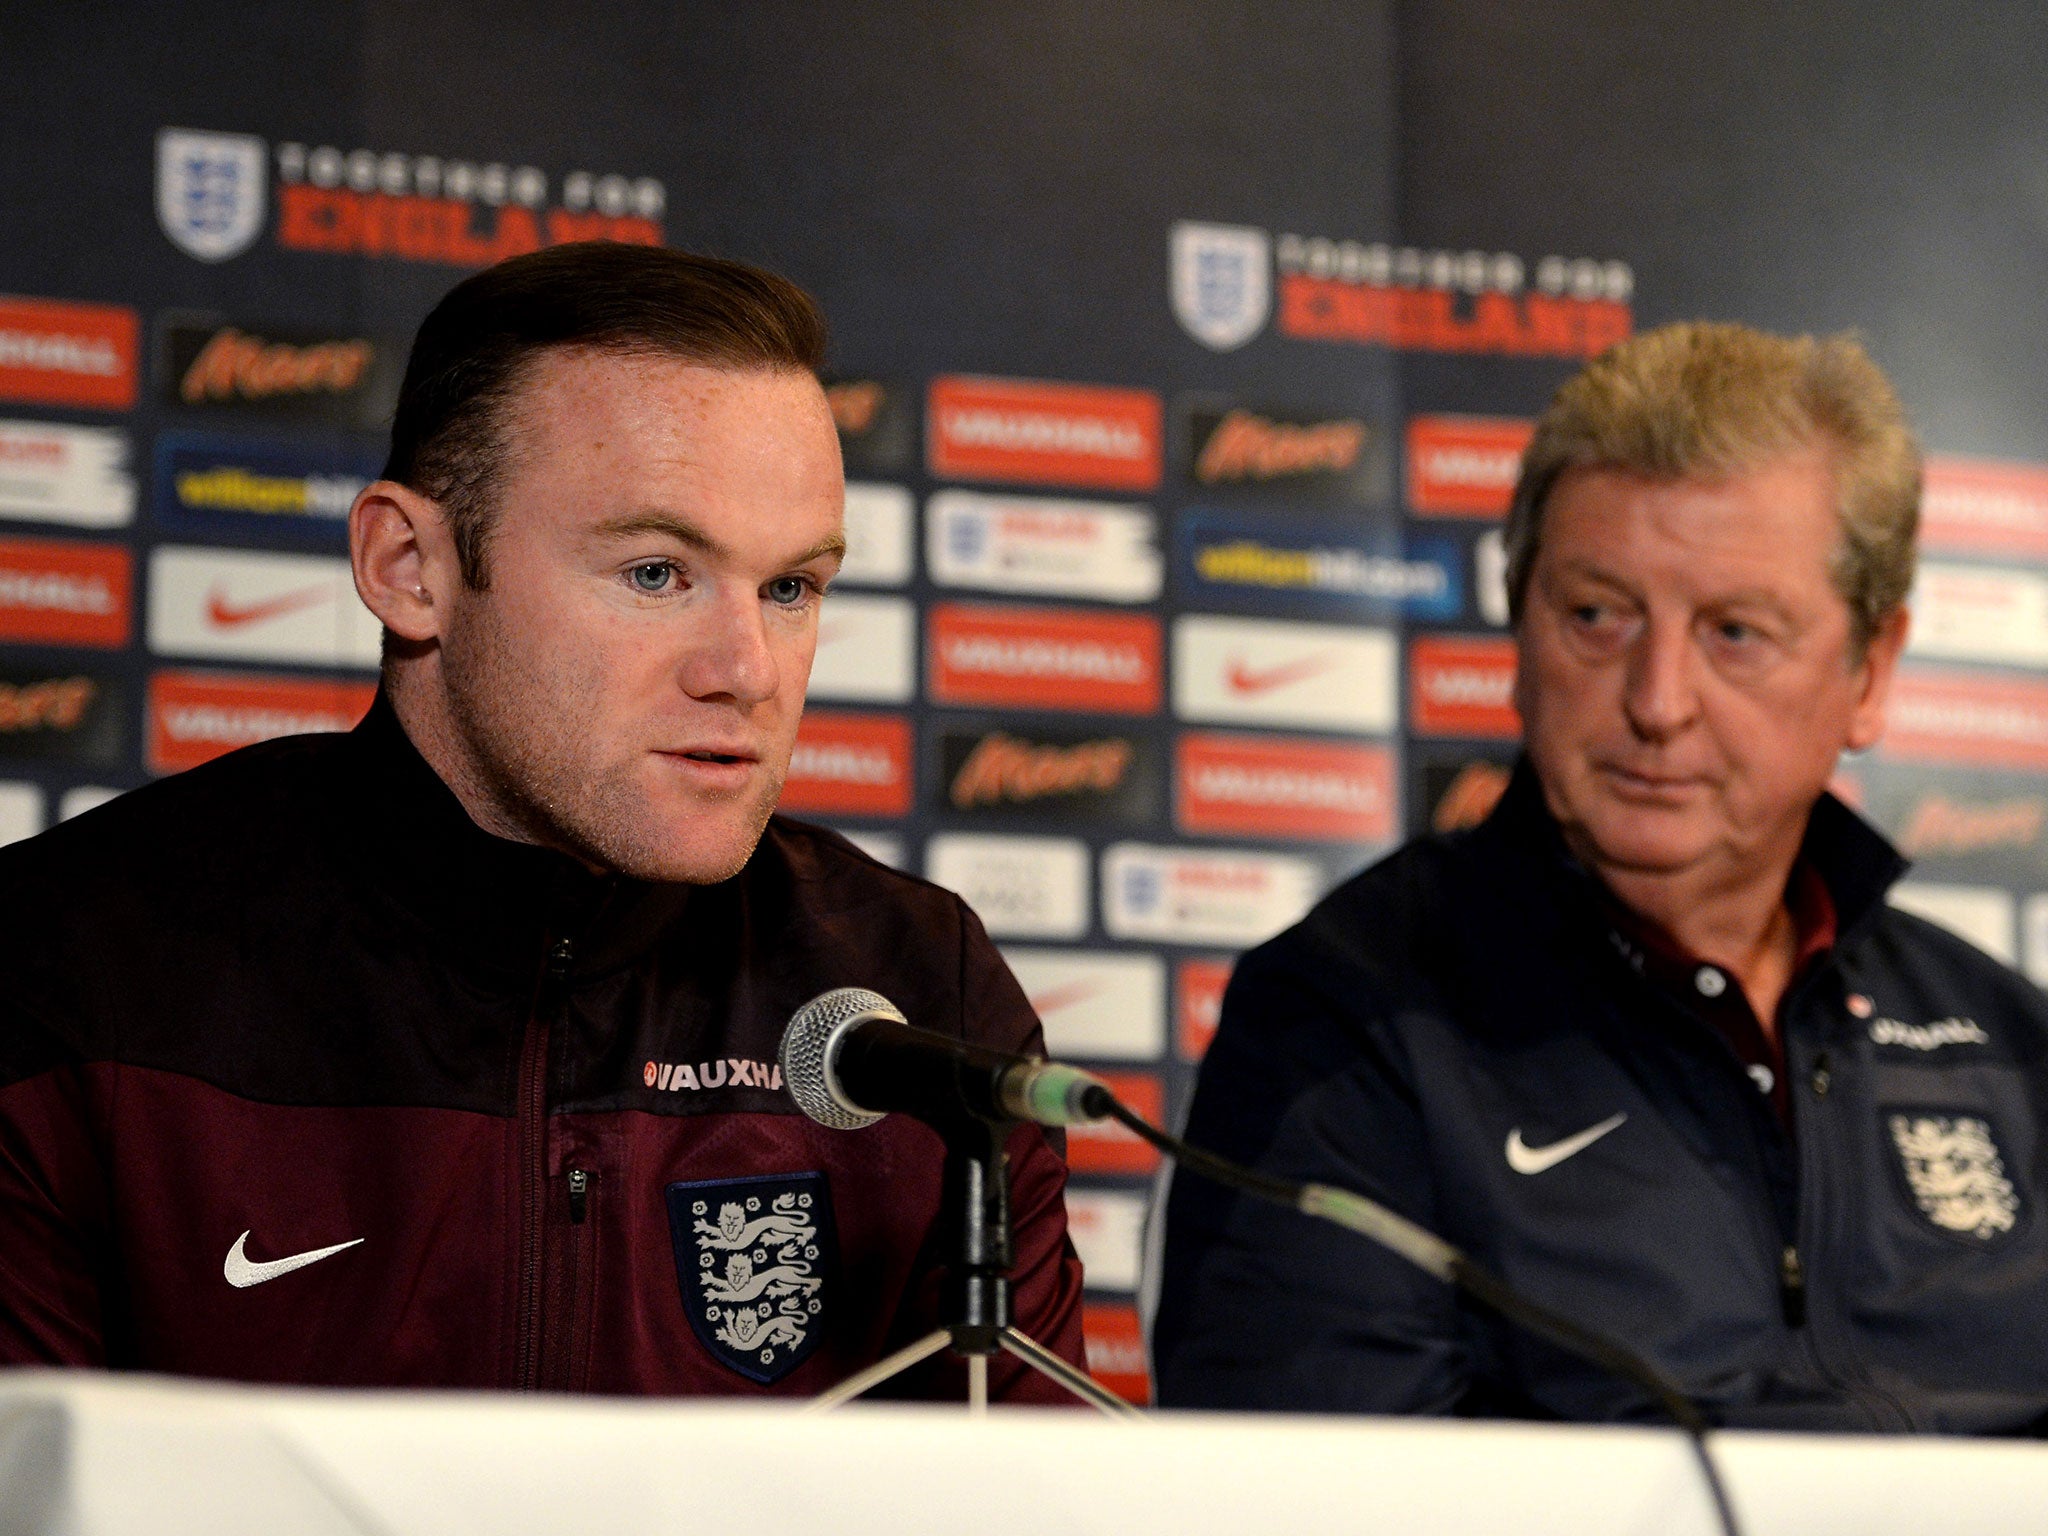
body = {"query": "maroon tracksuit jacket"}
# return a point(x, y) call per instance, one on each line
point(305, 1078)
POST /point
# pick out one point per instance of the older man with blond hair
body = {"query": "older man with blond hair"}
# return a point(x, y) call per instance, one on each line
point(1649, 1042)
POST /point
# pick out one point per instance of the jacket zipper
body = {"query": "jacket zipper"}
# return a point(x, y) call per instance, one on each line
point(579, 1195)
point(533, 1117)
point(1815, 1149)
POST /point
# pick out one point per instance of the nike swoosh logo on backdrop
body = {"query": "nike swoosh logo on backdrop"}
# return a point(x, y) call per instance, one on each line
point(1527, 1159)
point(1057, 998)
point(241, 1271)
point(1240, 677)
point(224, 615)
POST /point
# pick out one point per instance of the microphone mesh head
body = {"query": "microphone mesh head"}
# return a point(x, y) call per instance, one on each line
point(807, 1046)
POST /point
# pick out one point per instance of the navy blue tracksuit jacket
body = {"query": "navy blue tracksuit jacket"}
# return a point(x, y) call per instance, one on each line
point(1460, 1032)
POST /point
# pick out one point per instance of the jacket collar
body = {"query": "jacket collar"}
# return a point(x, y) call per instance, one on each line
point(501, 904)
point(1852, 858)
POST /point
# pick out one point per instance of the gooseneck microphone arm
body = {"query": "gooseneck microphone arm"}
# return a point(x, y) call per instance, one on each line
point(849, 1058)
point(1431, 1254)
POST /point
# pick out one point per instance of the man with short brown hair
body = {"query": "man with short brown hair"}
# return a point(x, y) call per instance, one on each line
point(1649, 1042)
point(444, 1052)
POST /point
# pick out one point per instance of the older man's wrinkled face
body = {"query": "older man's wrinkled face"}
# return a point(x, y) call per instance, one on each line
point(1687, 669)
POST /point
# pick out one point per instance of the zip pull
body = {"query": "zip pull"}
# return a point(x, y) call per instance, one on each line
point(1792, 1288)
point(579, 1195)
point(560, 958)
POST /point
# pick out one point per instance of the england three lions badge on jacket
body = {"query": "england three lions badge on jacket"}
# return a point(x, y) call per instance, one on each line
point(1955, 1172)
point(757, 1260)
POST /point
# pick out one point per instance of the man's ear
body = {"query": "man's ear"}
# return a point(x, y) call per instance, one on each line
point(1879, 666)
point(403, 557)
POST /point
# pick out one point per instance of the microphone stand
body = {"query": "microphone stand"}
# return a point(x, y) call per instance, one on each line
point(976, 1298)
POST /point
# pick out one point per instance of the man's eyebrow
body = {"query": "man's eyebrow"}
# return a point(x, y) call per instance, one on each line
point(688, 534)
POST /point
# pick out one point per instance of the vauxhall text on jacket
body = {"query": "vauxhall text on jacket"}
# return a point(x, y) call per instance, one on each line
point(1461, 1033)
point(304, 1078)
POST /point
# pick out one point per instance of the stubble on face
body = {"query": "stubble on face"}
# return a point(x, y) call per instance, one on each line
point(570, 697)
point(538, 770)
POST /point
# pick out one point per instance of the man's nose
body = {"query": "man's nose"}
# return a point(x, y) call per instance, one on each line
point(730, 657)
point(1660, 693)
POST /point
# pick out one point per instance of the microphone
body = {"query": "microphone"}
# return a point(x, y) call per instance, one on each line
point(849, 1058)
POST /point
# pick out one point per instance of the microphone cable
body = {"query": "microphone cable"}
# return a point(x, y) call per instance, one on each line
point(1434, 1256)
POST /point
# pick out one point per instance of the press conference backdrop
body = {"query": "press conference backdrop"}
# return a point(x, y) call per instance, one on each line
point(1182, 357)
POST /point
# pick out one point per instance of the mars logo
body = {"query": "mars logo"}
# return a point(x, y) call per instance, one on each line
point(1222, 282)
point(1939, 825)
point(209, 191)
point(755, 1261)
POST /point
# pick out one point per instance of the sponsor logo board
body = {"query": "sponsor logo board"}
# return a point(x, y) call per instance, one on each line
point(1944, 825)
point(1108, 1229)
point(1460, 685)
point(1235, 671)
point(2034, 939)
point(878, 536)
point(877, 425)
point(1455, 789)
point(867, 650)
point(196, 716)
point(206, 479)
point(1980, 613)
point(1036, 433)
point(1490, 578)
point(1020, 887)
point(1981, 914)
point(61, 712)
point(1316, 566)
point(1984, 506)
point(212, 201)
point(1464, 466)
point(1274, 451)
point(849, 765)
point(1115, 1343)
point(1220, 281)
point(259, 607)
point(1044, 658)
point(1042, 545)
point(210, 191)
point(279, 372)
point(1203, 896)
point(1450, 301)
point(83, 798)
point(1251, 786)
point(882, 847)
point(1937, 715)
point(1098, 1005)
point(21, 811)
point(1200, 983)
point(64, 592)
point(1105, 1147)
point(59, 353)
point(1065, 774)
point(62, 474)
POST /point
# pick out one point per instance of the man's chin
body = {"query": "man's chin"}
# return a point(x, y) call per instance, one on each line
point(1641, 842)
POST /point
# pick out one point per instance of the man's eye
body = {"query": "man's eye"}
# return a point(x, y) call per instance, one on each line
point(788, 591)
point(655, 576)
